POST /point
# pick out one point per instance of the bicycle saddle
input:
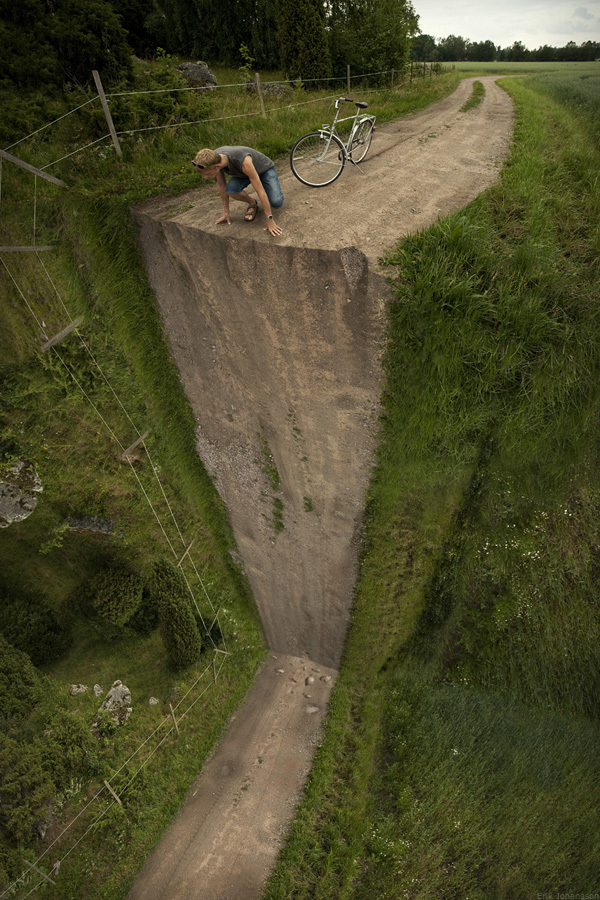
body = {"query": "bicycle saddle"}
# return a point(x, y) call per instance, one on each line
point(361, 105)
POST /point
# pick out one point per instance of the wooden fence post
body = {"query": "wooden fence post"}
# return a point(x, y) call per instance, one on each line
point(174, 720)
point(260, 95)
point(348, 79)
point(103, 101)
point(411, 71)
point(392, 87)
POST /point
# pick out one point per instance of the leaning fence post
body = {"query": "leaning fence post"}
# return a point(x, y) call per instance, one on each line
point(103, 101)
point(260, 95)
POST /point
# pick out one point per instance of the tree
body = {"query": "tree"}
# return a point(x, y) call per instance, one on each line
point(70, 37)
point(177, 624)
point(423, 48)
point(452, 48)
point(302, 39)
point(482, 51)
point(371, 35)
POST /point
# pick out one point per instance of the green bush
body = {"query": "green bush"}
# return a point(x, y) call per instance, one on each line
point(30, 625)
point(177, 623)
point(145, 619)
point(116, 594)
point(26, 790)
point(68, 748)
point(21, 686)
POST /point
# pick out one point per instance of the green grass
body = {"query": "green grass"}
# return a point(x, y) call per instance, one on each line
point(477, 95)
point(458, 758)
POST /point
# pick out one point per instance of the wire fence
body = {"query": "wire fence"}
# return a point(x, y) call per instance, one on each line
point(219, 652)
point(397, 78)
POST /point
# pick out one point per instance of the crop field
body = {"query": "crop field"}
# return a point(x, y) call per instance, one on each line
point(529, 68)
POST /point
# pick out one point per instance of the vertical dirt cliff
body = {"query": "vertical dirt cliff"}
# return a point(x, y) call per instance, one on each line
point(278, 351)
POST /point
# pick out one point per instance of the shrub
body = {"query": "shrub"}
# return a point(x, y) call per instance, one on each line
point(26, 791)
point(177, 623)
point(30, 625)
point(116, 594)
point(21, 686)
point(145, 619)
point(65, 751)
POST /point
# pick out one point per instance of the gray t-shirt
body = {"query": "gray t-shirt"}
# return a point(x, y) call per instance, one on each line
point(237, 155)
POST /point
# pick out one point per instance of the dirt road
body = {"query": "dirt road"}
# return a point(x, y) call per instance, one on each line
point(278, 343)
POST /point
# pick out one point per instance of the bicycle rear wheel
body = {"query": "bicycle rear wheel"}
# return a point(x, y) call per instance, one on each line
point(317, 158)
point(361, 140)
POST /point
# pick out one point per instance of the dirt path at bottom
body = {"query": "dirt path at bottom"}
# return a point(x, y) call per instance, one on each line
point(228, 833)
point(278, 345)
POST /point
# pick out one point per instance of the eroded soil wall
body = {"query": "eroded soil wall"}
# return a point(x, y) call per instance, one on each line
point(278, 349)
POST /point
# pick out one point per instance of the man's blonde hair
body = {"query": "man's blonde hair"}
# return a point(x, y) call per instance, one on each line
point(207, 158)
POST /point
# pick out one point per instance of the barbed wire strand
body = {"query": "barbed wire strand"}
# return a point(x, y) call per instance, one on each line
point(73, 152)
point(117, 398)
point(133, 468)
point(214, 87)
point(136, 476)
point(54, 121)
point(24, 298)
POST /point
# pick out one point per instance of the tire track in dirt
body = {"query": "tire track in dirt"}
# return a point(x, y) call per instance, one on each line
point(278, 344)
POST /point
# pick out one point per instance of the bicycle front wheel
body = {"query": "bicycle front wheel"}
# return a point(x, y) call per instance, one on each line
point(317, 158)
point(361, 140)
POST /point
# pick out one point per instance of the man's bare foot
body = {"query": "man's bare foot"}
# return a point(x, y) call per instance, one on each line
point(250, 214)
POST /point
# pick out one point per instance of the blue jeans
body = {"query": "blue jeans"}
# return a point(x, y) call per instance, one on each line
point(269, 181)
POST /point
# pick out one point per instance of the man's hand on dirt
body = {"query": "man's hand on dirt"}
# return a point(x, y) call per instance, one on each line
point(224, 219)
point(273, 229)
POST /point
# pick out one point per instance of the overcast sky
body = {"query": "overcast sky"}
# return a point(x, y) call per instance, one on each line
point(555, 22)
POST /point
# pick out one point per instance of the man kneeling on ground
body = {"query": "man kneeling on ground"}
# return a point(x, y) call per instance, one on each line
point(246, 166)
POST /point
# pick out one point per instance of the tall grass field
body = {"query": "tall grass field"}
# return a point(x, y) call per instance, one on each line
point(460, 758)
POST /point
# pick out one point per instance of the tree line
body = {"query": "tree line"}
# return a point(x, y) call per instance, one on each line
point(56, 43)
point(454, 48)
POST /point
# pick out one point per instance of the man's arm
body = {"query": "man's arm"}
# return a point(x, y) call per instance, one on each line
point(251, 173)
point(222, 184)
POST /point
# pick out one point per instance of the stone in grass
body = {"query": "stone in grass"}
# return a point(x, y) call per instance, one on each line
point(78, 689)
point(197, 74)
point(117, 703)
point(20, 486)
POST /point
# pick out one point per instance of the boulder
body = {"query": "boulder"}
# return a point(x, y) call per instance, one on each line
point(197, 74)
point(117, 703)
point(20, 486)
point(77, 689)
point(118, 697)
point(93, 524)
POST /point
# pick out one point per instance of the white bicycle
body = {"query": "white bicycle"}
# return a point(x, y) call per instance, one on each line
point(319, 158)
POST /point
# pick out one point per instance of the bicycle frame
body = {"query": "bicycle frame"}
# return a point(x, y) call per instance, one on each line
point(329, 130)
